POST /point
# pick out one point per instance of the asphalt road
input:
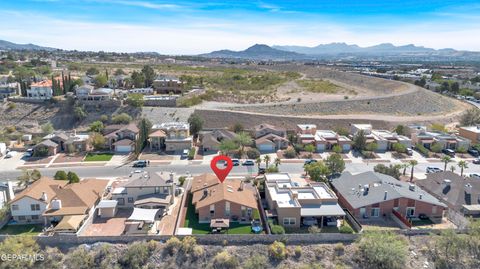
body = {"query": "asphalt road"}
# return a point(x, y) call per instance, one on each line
point(293, 168)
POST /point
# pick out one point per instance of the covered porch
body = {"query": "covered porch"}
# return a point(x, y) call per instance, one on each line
point(322, 215)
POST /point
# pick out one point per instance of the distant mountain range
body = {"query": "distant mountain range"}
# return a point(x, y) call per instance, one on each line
point(6, 45)
point(338, 50)
point(257, 51)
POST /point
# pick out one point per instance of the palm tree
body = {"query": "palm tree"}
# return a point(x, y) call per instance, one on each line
point(243, 139)
point(28, 177)
point(412, 164)
point(452, 168)
point(446, 159)
point(266, 159)
point(277, 162)
point(404, 166)
point(258, 161)
point(462, 165)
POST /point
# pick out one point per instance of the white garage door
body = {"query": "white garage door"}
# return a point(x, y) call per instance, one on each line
point(123, 149)
point(266, 147)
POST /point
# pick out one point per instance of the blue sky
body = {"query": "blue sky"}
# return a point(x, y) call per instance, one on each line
point(190, 27)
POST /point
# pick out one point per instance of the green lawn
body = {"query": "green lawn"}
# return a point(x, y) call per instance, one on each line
point(102, 157)
point(28, 229)
point(191, 221)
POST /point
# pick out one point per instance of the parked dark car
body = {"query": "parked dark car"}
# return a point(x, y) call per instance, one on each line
point(409, 151)
point(476, 161)
point(473, 152)
point(261, 171)
point(248, 163)
point(449, 152)
point(309, 161)
point(140, 163)
point(235, 162)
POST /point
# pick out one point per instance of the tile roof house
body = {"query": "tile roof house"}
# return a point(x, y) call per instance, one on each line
point(233, 199)
point(145, 190)
point(458, 193)
point(471, 133)
point(211, 140)
point(165, 84)
point(269, 138)
point(372, 195)
point(9, 89)
point(51, 201)
point(40, 90)
point(121, 138)
point(171, 136)
point(447, 141)
point(383, 138)
point(293, 205)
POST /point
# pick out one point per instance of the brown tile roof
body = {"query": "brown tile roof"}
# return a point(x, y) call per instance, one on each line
point(37, 188)
point(43, 83)
point(203, 181)
point(266, 125)
point(229, 190)
point(124, 142)
point(158, 133)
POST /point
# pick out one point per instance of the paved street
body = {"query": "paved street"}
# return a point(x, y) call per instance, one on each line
point(182, 169)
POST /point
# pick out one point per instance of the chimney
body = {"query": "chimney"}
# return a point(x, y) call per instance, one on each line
point(56, 204)
point(294, 195)
point(411, 187)
point(171, 176)
point(421, 195)
point(44, 196)
point(241, 185)
point(385, 196)
point(205, 193)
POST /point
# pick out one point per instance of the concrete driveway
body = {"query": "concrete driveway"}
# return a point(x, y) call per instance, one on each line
point(12, 163)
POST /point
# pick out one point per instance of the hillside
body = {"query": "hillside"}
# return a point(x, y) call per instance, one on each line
point(257, 51)
point(6, 45)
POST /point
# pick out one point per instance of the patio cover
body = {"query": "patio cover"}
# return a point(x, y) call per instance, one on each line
point(70, 223)
point(316, 210)
point(219, 223)
point(143, 214)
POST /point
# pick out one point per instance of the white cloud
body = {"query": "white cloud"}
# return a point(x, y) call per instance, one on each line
point(200, 35)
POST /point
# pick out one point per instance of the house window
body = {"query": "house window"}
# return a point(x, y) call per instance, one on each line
point(121, 201)
point(227, 209)
point(165, 189)
point(14, 207)
point(249, 212)
point(289, 221)
point(410, 211)
point(212, 210)
point(157, 189)
point(35, 207)
point(34, 217)
point(21, 218)
point(130, 200)
point(243, 209)
point(375, 212)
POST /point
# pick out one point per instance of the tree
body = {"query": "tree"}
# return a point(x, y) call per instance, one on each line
point(446, 159)
point(335, 163)
point(359, 141)
point(462, 149)
point(96, 126)
point(470, 117)
point(21, 245)
point(149, 75)
point(196, 124)
point(122, 118)
point(266, 159)
point(309, 148)
point(253, 153)
point(277, 162)
point(317, 171)
point(404, 166)
point(258, 161)
point(412, 164)
point(243, 139)
point(455, 87)
point(391, 170)
point(138, 79)
point(92, 71)
point(145, 126)
point(445, 87)
point(28, 176)
point(119, 72)
point(79, 113)
point(100, 81)
point(237, 128)
point(60, 175)
point(337, 149)
point(463, 165)
point(438, 127)
point(400, 130)
point(382, 250)
point(47, 128)
point(452, 168)
point(399, 147)
point(436, 147)
point(72, 177)
point(135, 100)
point(372, 147)
point(98, 141)
point(226, 146)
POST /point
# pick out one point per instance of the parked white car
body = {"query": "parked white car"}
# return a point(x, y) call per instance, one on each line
point(474, 175)
point(10, 154)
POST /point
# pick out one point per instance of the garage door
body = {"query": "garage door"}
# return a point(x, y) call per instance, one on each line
point(123, 149)
point(266, 147)
point(320, 147)
point(346, 147)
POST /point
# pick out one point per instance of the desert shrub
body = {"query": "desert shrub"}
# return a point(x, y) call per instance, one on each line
point(345, 229)
point(277, 251)
point(253, 153)
point(424, 151)
point(198, 251)
point(191, 154)
point(256, 261)
point(135, 256)
point(225, 260)
point(80, 258)
point(272, 169)
point(188, 244)
point(339, 248)
point(314, 229)
point(378, 250)
point(103, 118)
point(173, 245)
point(298, 251)
point(10, 129)
point(181, 180)
point(277, 229)
point(367, 154)
point(11, 106)
point(122, 118)
point(40, 152)
point(310, 266)
point(290, 153)
point(60, 175)
point(25, 245)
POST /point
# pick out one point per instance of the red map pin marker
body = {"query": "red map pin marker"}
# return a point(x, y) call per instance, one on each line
point(221, 173)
